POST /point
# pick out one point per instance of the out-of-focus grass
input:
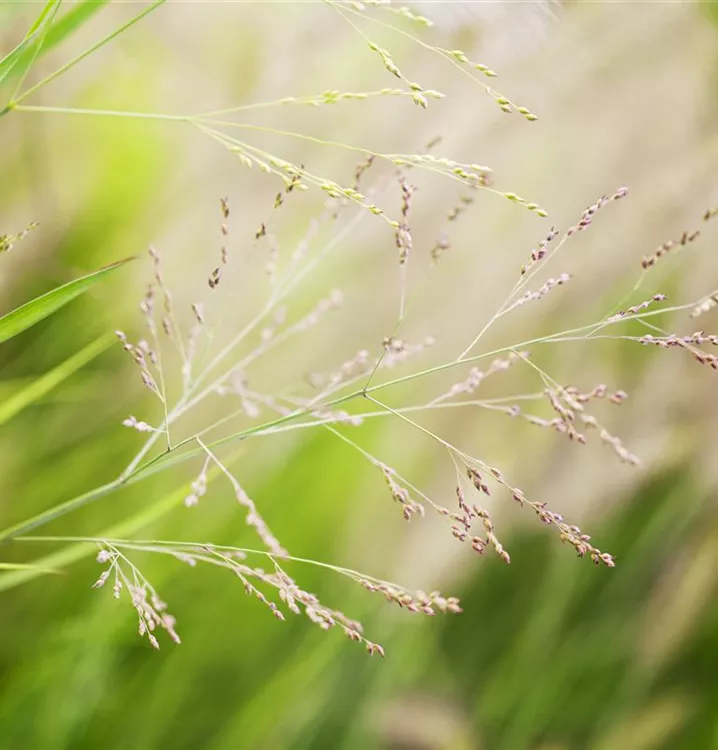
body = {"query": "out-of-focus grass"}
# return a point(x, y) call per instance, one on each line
point(550, 653)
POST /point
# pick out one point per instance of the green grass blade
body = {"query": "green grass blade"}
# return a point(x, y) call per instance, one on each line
point(90, 50)
point(8, 63)
point(36, 310)
point(45, 13)
point(27, 567)
point(45, 383)
point(26, 52)
point(73, 19)
point(58, 30)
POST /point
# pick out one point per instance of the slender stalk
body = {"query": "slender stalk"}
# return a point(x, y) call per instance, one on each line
point(100, 112)
point(58, 511)
point(170, 458)
point(300, 100)
point(427, 432)
point(142, 545)
point(562, 336)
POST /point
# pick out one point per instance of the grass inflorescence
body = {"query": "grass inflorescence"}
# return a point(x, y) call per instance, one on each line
point(184, 358)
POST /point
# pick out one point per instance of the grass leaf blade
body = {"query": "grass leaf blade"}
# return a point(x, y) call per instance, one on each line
point(45, 13)
point(27, 568)
point(45, 383)
point(71, 20)
point(26, 52)
point(32, 312)
point(8, 63)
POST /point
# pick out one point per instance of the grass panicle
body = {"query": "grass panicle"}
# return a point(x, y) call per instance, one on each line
point(219, 360)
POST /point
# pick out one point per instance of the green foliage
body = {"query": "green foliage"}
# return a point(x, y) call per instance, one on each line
point(19, 59)
point(27, 315)
point(42, 385)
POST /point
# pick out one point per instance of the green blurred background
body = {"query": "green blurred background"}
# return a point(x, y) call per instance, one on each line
point(550, 653)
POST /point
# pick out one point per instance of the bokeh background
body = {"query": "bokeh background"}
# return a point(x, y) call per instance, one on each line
point(550, 653)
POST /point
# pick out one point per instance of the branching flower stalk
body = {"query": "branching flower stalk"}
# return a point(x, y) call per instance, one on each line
point(8, 241)
point(471, 174)
point(336, 402)
point(457, 58)
point(151, 610)
point(568, 533)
